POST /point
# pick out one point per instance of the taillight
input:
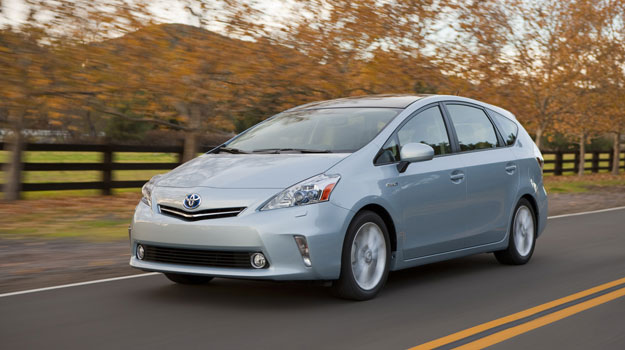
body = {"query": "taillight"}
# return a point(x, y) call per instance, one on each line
point(541, 162)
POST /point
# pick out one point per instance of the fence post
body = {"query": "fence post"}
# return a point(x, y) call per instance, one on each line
point(107, 169)
point(13, 168)
point(576, 166)
point(595, 162)
point(611, 159)
point(558, 165)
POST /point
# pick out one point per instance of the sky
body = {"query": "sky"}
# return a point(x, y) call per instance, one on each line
point(14, 12)
point(173, 11)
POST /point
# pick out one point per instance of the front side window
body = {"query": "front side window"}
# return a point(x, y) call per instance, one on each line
point(327, 130)
point(509, 130)
point(473, 128)
point(426, 127)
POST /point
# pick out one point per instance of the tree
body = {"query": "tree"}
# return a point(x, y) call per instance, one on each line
point(519, 53)
point(345, 39)
point(598, 59)
point(37, 64)
point(27, 80)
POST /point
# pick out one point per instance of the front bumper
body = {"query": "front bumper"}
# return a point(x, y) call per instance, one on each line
point(270, 232)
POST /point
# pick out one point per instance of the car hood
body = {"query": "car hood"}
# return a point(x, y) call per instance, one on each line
point(253, 171)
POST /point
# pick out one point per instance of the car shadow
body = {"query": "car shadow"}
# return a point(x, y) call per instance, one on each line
point(270, 295)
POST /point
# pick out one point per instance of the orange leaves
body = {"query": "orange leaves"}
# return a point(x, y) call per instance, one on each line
point(546, 61)
point(540, 59)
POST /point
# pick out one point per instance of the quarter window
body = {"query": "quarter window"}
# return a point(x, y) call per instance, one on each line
point(473, 128)
point(509, 130)
point(389, 153)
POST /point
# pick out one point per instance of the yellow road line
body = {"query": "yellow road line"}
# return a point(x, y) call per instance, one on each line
point(541, 321)
point(517, 316)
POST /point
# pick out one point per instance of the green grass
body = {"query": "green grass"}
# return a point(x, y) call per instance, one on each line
point(576, 184)
point(92, 157)
point(144, 175)
point(74, 193)
point(92, 218)
point(566, 187)
point(56, 215)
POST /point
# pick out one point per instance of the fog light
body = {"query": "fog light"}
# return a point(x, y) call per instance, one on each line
point(302, 244)
point(258, 260)
point(140, 252)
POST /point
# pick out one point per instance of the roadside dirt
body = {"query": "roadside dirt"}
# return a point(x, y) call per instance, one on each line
point(37, 263)
point(42, 262)
point(598, 197)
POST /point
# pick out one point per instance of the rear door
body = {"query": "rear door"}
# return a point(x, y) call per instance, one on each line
point(492, 174)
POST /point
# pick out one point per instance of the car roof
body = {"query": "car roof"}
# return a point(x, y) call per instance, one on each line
point(368, 101)
point(400, 101)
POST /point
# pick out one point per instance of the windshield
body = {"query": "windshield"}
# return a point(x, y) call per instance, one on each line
point(317, 130)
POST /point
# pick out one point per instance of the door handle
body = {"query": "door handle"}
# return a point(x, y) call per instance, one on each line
point(456, 176)
point(510, 168)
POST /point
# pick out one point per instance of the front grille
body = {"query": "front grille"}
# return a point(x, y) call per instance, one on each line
point(212, 258)
point(200, 214)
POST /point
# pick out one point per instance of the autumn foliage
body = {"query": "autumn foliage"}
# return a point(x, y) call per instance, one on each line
point(77, 66)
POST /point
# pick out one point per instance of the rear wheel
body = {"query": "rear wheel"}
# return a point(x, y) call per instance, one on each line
point(522, 238)
point(366, 258)
point(188, 279)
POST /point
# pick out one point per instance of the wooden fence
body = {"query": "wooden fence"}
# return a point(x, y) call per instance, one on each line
point(556, 163)
point(106, 166)
point(559, 163)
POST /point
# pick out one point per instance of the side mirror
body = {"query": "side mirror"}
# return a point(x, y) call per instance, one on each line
point(414, 152)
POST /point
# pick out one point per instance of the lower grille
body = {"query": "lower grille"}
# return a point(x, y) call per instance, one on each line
point(212, 258)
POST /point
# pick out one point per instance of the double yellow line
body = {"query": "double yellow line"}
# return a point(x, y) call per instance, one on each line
point(513, 331)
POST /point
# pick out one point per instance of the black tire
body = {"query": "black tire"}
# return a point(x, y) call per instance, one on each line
point(512, 255)
point(188, 279)
point(346, 286)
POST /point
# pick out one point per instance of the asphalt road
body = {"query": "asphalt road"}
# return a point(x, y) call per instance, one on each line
point(417, 305)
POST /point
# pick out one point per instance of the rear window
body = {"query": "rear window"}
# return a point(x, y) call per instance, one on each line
point(509, 130)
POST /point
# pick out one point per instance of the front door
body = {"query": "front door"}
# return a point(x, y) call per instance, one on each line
point(430, 196)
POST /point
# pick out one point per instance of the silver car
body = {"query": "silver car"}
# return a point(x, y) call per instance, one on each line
point(346, 191)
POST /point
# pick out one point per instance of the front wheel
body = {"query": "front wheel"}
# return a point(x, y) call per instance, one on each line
point(522, 238)
point(188, 279)
point(366, 258)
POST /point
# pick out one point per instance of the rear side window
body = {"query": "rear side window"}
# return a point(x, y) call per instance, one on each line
point(509, 130)
point(474, 129)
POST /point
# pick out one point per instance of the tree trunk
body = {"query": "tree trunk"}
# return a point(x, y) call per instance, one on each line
point(190, 145)
point(616, 159)
point(93, 133)
point(192, 136)
point(13, 169)
point(582, 153)
point(539, 137)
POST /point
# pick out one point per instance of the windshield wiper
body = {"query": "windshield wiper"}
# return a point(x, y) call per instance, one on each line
point(287, 150)
point(230, 150)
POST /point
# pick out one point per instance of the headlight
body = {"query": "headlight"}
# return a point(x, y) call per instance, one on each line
point(146, 190)
point(314, 190)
